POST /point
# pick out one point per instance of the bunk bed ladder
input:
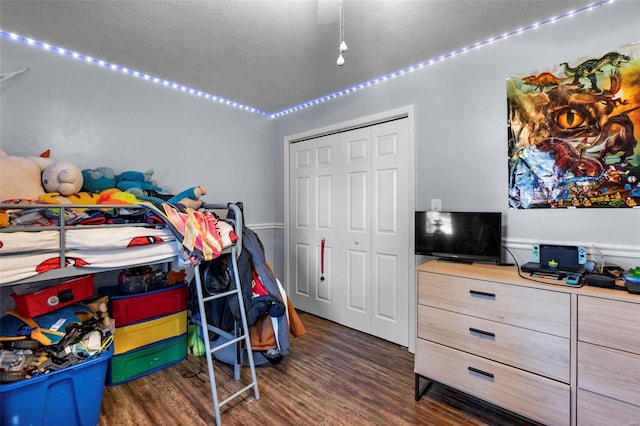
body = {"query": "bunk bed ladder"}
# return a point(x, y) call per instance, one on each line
point(241, 331)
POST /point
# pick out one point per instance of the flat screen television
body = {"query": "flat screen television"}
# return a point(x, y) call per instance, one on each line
point(460, 236)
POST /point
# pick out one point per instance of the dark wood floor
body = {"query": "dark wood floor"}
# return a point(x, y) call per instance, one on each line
point(332, 376)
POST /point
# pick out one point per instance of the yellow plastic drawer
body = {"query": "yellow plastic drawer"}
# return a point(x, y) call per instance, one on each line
point(145, 333)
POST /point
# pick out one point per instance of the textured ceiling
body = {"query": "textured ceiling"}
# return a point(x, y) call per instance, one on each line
point(269, 54)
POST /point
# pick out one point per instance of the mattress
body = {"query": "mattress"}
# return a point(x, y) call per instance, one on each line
point(29, 254)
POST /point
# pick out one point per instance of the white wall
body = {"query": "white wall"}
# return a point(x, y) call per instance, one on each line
point(461, 123)
point(96, 117)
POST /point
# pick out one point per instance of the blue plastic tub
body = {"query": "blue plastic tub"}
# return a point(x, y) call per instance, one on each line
point(68, 397)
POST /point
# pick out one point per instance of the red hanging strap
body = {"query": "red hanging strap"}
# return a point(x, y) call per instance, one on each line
point(322, 259)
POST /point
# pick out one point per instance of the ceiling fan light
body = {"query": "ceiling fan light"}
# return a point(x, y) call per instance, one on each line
point(343, 47)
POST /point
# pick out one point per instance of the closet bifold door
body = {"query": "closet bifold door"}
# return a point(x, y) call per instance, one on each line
point(348, 189)
point(353, 256)
point(313, 237)
point(375, 230)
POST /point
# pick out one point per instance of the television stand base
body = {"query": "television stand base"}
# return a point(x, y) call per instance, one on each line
point(455, 260)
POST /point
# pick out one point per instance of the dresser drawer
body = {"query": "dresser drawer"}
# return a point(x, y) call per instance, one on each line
point(536, 397)
point(609, 372)
point(535, 309)
point(530, 350)
point(611, 323)
point(598, 410)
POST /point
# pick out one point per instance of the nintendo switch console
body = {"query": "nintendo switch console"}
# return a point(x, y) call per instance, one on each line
point(547, 258)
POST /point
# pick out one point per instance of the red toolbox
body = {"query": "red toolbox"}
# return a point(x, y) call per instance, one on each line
point(132, 308)
point(54, 297)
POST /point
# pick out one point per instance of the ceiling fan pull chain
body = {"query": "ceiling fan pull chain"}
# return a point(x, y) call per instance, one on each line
point(343, 46)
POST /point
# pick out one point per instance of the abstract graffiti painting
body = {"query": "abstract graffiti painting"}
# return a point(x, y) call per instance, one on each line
point(573, 133)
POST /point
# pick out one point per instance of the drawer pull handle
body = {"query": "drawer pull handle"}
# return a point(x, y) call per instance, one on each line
point(485, 333)
point(482, 293)
point(484, 373)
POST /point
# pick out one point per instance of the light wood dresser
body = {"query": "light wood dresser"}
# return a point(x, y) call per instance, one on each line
point(556, 354)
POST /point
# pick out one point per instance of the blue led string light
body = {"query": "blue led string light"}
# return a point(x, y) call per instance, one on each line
point(440, 58)
point(124, 70)
point(310, 103)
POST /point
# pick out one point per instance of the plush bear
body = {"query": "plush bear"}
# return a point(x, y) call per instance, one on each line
point(21, 177)
point(62, 177)
point(30, 177)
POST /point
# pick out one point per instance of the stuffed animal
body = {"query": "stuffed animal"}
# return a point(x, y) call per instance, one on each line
point(4, 218)
point(116, 196)
point(98, 179)
point(62, 177)
point(21, 177)
point(190, 197)
point(79, 198)
point(136, 182)
point(31, 177)
point(54, 198)
point(83, 198)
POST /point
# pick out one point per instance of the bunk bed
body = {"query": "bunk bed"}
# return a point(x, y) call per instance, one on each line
point(44, 242)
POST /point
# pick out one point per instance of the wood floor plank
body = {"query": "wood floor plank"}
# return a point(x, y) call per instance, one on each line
point(333, 376)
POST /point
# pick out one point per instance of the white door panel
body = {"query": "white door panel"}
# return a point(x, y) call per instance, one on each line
point(302, 283)
point(357, 144)
point(301, 220)
point(311, 214)
point(355, 150)
point(386, 202)
point(386, 145)
point(323, 155)
point(357, 211)
point(323, 205)
point(389, 245)
point(303, 195)
point(357, 285)
point(386, 287)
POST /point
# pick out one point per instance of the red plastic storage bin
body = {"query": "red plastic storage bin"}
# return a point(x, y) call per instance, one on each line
point(54, 297)
point(132, 308)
